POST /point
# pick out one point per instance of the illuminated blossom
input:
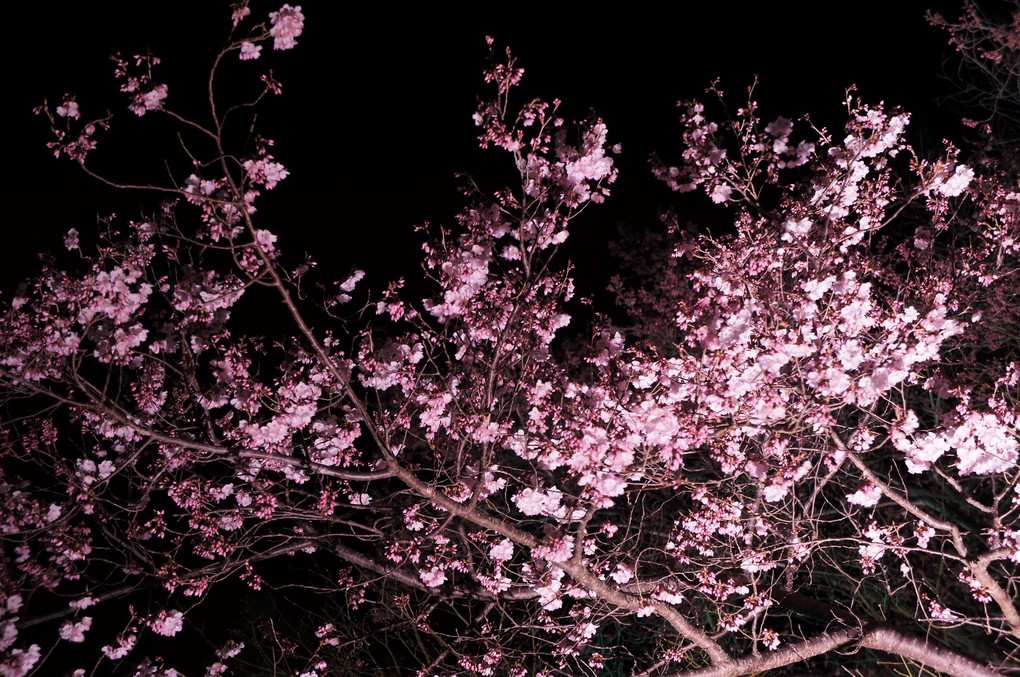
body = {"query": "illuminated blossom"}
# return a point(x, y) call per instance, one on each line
point(74, 631)
point(167, 623)
point(983, 445)
point(71, 239)
point(955, 184)
point(150, 100)
point(433, 577)
point(866, 497)
point(288, 23)
point(239, 10)
point(68, 109)
point(502, 551)
point(250, 51)
point(125, 643)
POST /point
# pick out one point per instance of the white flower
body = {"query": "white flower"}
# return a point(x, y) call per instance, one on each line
point(780, 128)
point(534, 502)
point(502, 551)
point(984, 445)
point(795, 228)
point(349, 284)
point(866, 497)
point(623, 573)
point(721, 193)
point(153, 99)
point(956, 183)
point(124, 646)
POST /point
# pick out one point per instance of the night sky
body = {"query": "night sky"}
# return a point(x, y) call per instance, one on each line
point(375, 117)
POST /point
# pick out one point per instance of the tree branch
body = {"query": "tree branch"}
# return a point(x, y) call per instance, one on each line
point(880, 638)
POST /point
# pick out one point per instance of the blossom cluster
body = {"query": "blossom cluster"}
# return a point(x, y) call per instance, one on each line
point(136, 79)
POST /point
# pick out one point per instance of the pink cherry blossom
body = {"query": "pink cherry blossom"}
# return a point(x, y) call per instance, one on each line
point(123, 647)
point(433, 577)
point(240, 10)
point(955, 184)
point(74, 631)
point(866, 497)
point(69, 109)
point(288, 23)
point(167, 623)
point(250, 51)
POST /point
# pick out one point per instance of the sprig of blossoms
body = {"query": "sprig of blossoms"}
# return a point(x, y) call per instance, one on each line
point(288, 23)
point(70, 137)
point(137, 80)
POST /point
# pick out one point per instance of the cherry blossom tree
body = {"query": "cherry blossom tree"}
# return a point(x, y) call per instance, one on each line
point(793, 437)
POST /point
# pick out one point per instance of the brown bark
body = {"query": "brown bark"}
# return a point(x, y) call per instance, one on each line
point(880, 638)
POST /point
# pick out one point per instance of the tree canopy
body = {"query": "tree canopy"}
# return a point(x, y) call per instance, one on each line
point(790, 436)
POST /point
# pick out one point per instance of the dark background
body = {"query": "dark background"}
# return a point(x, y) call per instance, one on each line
point(375, 116)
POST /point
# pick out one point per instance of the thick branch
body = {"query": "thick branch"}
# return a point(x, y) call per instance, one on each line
point(979, 569)
point(788, 655)
point(917, 649)
point(879, 638)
